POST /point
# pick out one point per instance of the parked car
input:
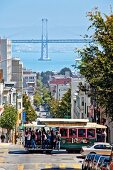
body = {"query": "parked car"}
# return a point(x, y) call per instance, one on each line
point(87, 161)
point(94, 161)
point(98, 148)
point(108, 166)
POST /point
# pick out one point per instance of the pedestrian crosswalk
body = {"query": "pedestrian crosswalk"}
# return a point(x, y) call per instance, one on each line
point(43, 166)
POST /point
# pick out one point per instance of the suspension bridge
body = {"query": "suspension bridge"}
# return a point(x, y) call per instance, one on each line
point(45, 41)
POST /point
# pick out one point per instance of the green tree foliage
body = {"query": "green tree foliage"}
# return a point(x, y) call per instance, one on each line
point(64, 70)
point(53, 105)
point(9, 117)
point(30, 112)
point(65, 105)
point(46, 95)
point(97, 59)
point(45, 77)
point(37, 99)
point(61, 109)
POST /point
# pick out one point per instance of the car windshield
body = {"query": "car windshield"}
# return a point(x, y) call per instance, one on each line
point(89, 156)
point(102, 158)
point(90, 145)
point(107, 159)
point(92, 156)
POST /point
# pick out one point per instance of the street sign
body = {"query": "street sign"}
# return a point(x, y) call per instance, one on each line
point(23, 117)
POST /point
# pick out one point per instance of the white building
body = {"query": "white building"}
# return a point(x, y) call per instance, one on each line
point(6, 59)
point(17, 74)
point(59, 86)
point(79, 99)
point(29, 82)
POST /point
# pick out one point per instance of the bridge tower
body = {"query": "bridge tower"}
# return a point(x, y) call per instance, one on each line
point(44, 42)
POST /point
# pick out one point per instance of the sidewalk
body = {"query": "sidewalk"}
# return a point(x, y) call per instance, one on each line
point(10, 145)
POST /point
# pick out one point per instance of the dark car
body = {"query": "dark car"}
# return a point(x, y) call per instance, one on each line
point(105, 164)
point(93, 161)
point(103, 160)
point(87, 161)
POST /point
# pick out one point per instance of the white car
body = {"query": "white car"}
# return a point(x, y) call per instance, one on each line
point(98, 148)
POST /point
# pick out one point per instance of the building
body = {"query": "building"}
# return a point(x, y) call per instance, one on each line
point(59, 85)
point(6, 59)
point(80, 101)
point(29, 82)
point(17, 74)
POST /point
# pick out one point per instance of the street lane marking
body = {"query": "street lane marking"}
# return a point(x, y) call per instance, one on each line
point(62, 165)
point(36, 166)
point(20, 167)
point(48, 166)
point(77, 166)
point(2, 160)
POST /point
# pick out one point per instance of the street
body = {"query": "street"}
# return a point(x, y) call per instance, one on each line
point(14, 157)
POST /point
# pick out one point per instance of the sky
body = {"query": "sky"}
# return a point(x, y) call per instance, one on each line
point(22, 19)
point(66, 18)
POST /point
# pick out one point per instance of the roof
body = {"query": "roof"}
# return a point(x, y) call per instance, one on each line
point(102, 143)
point(95, 125)
point(62, 120)
point(60, 81)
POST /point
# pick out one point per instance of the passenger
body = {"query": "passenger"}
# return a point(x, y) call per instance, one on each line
point(52, 138)
point(39, 138)
point(33, 144)
point(26, 134)
point(58, 139)
point(44, 140)
point(54, 141)
point(36, 136)
point(48, 139)
point(29, 139)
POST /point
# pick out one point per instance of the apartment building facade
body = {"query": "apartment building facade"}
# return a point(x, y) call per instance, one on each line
point(6, 59)
point(59, 85)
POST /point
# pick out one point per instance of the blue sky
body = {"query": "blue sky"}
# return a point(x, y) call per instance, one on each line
point(66, 18)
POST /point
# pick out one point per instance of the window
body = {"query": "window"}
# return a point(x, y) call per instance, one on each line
point(99, 147)
point(107, 147)
point(81, 132)
point(72, 132)
point(90, 133)
point(63, 132)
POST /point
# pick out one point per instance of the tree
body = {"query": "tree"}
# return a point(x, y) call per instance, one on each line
point(61, 109)
point(45, 77)
point(65, 105)
point(30, 112)
point(37, 99)
point(53, 105)
point(9, 118)
point(64, 70)
point(97, 59)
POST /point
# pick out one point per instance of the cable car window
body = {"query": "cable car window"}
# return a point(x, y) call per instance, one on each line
point(90, 133)
point(63, 132)
point(81, 132)
point(72, 132)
